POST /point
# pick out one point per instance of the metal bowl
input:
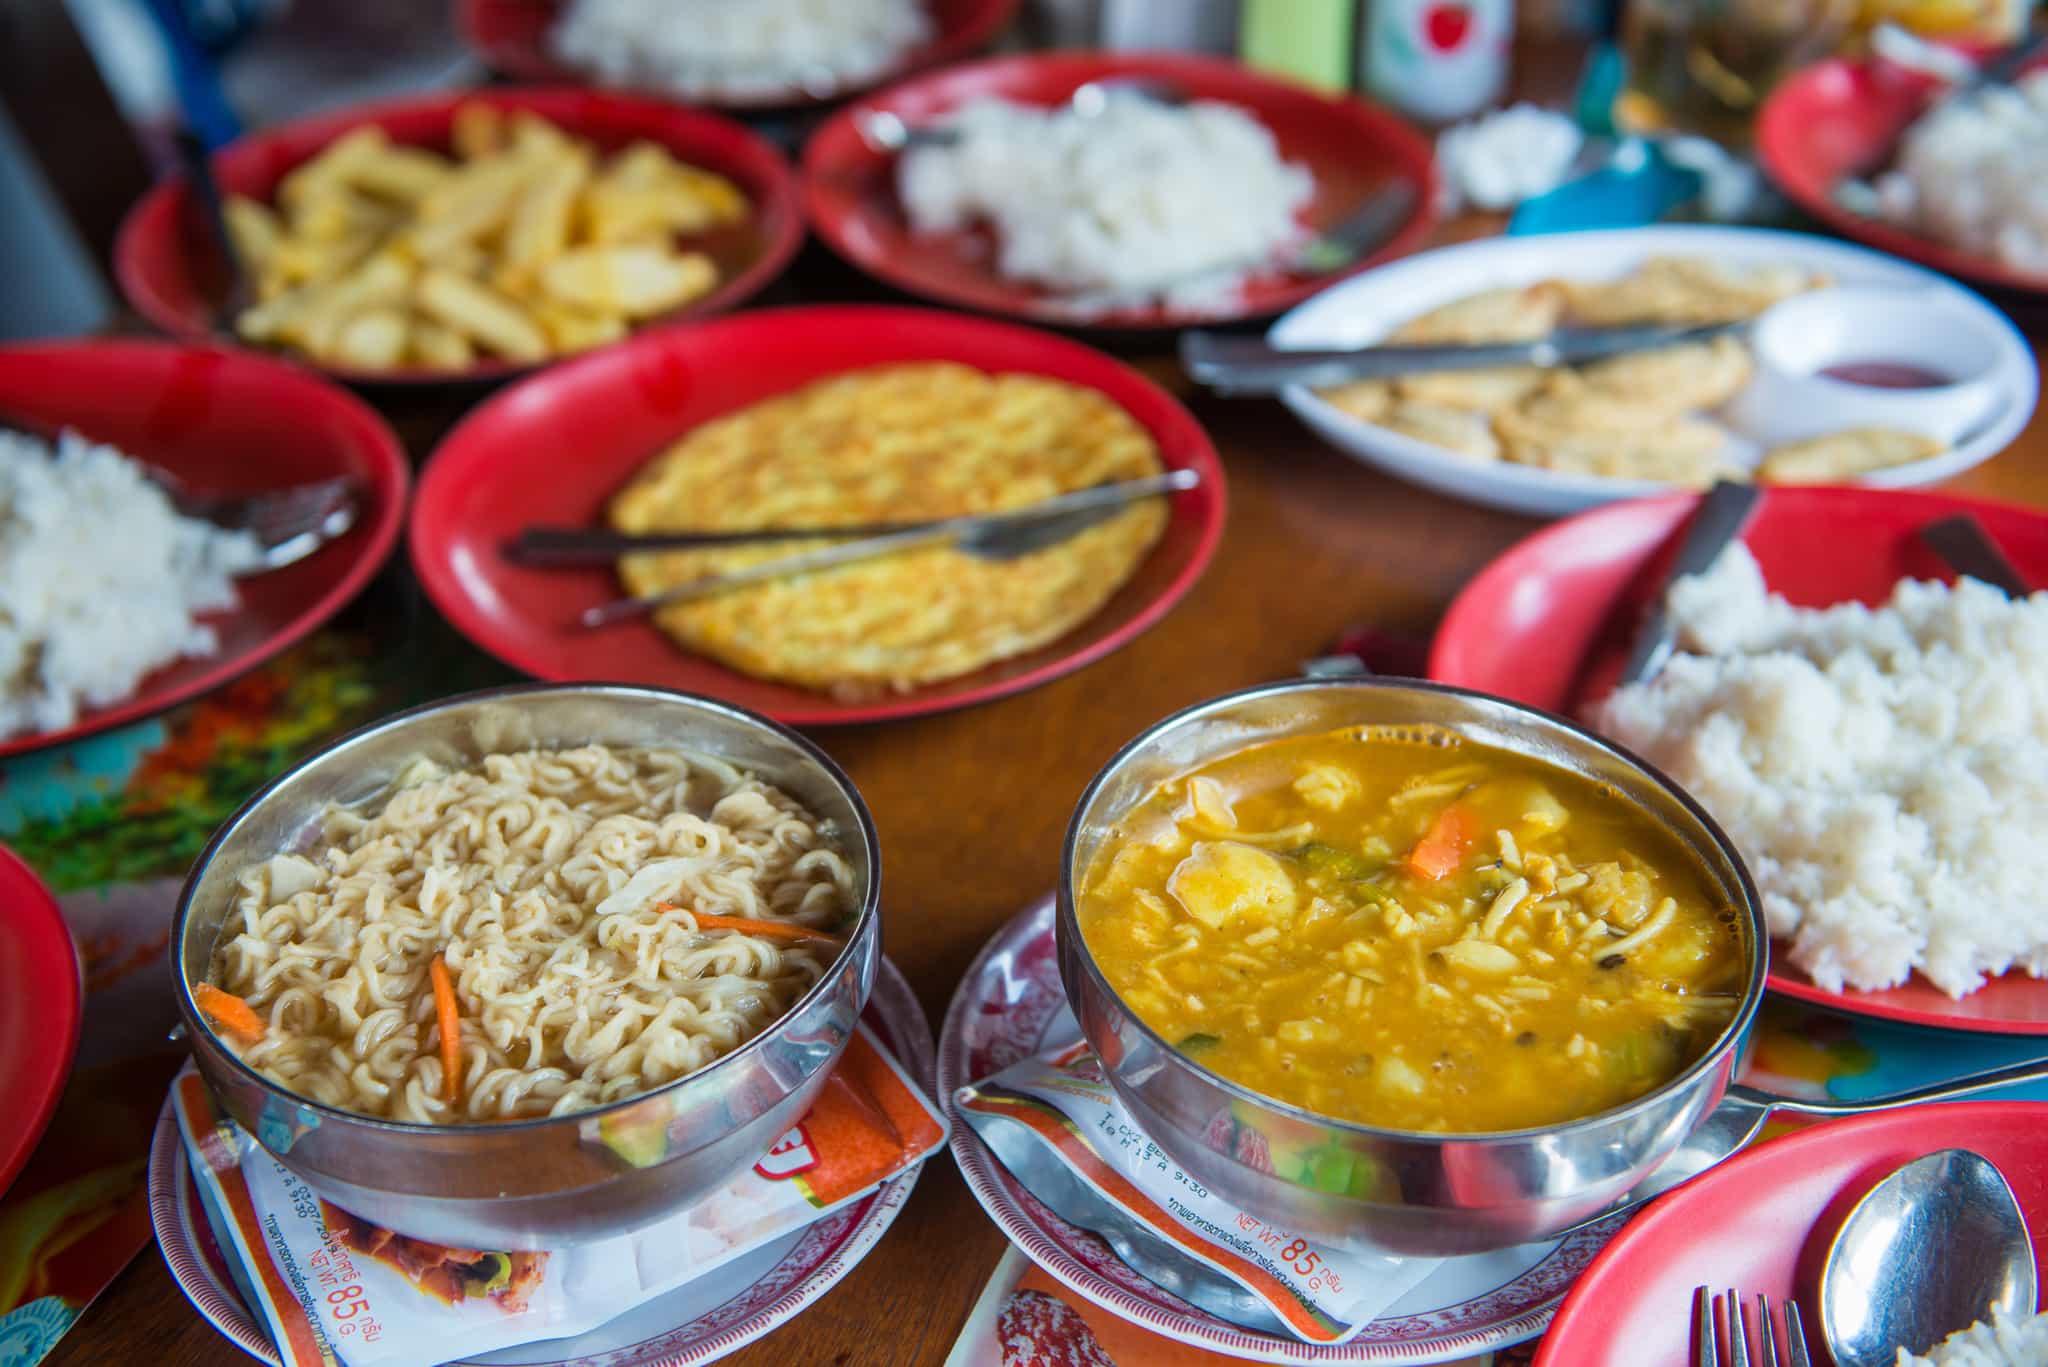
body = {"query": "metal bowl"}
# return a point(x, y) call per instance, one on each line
point(1436, 1194)
point(538, 1183)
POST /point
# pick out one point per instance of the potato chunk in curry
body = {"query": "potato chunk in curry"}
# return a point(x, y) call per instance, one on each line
point(1222, 881)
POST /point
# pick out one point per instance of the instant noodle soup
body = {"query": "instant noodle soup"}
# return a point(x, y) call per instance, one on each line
point(1403, 928)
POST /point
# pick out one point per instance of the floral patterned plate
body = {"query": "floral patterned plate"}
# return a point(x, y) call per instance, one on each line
point(697, 1323)
point(1468, 1306)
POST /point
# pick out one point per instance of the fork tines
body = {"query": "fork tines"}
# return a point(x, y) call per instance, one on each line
point(1725, 1319)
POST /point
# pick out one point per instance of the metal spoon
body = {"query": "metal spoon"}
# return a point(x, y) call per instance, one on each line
point(1928, 1251)
point(887, 132)
point(1744, 1110)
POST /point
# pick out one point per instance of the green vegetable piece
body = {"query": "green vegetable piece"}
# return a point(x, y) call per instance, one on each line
point(1321, 858)
point(1197, 1043)
point(640, 1140)
point(1331, 1170)
point(501, 1274)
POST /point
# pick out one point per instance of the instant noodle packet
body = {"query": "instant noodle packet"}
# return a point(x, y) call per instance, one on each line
point(334, 1288)
point(1055, 1124)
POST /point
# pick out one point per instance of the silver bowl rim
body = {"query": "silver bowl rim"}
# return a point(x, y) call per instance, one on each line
point(864, 916)
point(1068, 924)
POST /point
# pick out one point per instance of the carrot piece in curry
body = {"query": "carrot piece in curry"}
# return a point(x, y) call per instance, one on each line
point(1442, 847)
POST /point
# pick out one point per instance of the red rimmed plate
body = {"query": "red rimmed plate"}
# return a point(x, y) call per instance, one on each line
point(555, 448)
point(41, 998)
point(1351, 147)
point(170, 272)
point(1556, 609)
point(1762, 1221)
point(696, 1323)
point(1836, 119)
point(511, 35)
point(229, 422)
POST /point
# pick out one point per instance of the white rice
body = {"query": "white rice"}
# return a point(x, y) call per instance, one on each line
point(101, 581)
point(1973, 173)
point(2001, 1343)
point(1883, 772)
point(1140, 201)
point(738, 48)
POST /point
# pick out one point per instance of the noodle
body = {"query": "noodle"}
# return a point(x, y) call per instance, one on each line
point(537, 876)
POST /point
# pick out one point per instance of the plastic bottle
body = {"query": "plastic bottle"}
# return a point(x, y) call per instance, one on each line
point(1437, 60)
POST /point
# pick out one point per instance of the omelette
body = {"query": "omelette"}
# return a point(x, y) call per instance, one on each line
point(894, 443)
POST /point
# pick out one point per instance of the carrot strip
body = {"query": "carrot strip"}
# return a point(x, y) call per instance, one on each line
point(1442, 847)
point(767, 930)
point(450, 1021)
point(229, 1012)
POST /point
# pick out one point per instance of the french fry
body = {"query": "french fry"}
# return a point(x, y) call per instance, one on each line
point(481, 314)
point(256, 231)
point(372, 340)
point(571, 330)
point(332, 167)
point(338, 214)
point(478, 132)
point(541, 218)
point(405, 174)
point(440, 348)
point(615, 214)
point(535, 139)
point(638, 282)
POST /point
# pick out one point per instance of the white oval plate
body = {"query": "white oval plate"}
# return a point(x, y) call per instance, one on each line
point(696, 1323)
point(1467, 1306)
point(1367, 307)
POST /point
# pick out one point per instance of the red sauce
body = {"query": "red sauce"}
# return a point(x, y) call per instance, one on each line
point(1886, 375)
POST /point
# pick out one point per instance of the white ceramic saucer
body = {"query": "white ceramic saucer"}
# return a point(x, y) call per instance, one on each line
point(1468, 1306)
point(696, 1323)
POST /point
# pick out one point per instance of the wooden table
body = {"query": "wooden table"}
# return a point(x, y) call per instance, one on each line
point(971, 807)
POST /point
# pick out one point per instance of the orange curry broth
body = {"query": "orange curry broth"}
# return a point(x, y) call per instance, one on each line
point(1338, 921)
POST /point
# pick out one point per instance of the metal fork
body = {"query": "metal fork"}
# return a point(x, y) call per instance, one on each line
point(1734, 1321)
point(289, 524)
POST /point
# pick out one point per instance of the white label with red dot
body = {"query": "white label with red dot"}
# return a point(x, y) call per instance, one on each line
point(1438, 59)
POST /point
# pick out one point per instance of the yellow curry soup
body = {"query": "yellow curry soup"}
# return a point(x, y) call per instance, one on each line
point(1405, 929)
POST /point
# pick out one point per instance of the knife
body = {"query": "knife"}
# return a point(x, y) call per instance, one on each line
point(1965, 547)
point(563, 547)
point(1252, 365)
point(991, 536)
point(1720, 518)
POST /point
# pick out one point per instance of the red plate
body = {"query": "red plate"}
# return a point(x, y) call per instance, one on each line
point(1836, 119)
point(1762, 1221)
point(1351, 147)
point(1557, 609)
point(228, 422)
point(553, 449)
point(40, 995)
point(511, 35)
point(170, 272)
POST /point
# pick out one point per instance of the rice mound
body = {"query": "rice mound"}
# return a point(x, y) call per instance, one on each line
point(738, 48)
point(101, 580)
point(2001, 1343)
point(1139, 201)
point(1883, 771)
point(1970, 170)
